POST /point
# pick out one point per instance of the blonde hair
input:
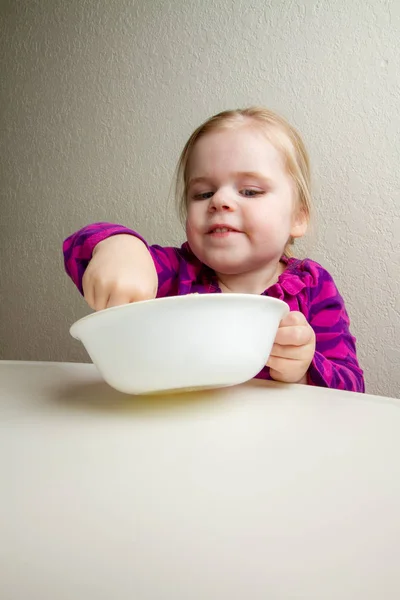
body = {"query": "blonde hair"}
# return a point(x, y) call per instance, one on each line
point(278, 132)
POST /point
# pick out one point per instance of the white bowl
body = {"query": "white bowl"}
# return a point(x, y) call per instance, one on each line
point(183, 342)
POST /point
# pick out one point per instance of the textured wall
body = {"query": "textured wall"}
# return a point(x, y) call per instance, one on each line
point(98, 97)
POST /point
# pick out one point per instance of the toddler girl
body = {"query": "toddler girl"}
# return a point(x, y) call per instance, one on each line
point(243, 187)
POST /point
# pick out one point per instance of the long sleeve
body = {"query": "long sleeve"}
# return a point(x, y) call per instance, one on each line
point(335, 363)
point(78, 249)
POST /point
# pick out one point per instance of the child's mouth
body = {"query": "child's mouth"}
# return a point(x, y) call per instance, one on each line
point(222, 231)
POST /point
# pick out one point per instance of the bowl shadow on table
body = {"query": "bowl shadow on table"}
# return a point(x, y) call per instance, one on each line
point(100, 397)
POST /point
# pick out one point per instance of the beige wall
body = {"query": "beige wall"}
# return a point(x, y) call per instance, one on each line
point(98, 97)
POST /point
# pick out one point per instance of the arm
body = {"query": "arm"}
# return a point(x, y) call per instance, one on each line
point(335, 363)
point(80, 248)
point(313, 344)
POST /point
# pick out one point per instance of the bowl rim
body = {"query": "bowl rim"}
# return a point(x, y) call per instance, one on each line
point(227, 297)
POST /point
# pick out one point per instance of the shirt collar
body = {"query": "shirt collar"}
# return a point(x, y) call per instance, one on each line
point(289, 282)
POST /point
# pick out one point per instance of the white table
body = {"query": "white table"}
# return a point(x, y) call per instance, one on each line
point(263, 491)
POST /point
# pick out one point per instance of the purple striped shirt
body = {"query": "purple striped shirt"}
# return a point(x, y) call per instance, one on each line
point(304, 285)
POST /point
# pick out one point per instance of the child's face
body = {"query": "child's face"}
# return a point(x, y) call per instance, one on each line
point(237, 180)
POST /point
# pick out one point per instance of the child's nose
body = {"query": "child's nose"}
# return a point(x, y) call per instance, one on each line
point(221, 200)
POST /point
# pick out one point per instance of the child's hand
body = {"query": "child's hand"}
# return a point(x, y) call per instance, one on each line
point(121, 271)
point(293, 349)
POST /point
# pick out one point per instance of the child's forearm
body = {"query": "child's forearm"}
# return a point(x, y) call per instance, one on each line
point(336, 374)
point(78, 248)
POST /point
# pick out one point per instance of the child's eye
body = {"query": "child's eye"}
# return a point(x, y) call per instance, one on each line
point(203, 196)
point(250, 193)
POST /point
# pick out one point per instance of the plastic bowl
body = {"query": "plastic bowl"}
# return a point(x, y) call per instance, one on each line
point(183, 342)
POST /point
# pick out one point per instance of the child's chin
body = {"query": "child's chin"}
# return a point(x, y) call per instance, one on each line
point(227, 267)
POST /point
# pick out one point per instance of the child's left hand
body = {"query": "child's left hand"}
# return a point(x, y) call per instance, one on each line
point(293, 349)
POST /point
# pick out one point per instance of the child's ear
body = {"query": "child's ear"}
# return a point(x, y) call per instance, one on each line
point(299, 224)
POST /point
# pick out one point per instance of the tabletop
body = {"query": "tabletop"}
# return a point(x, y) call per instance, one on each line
point(263, 490)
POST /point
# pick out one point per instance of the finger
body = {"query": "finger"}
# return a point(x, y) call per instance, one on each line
point(281, 365)
point(117, 299)
point(87, 289)
point(293, 318)
point(100, 298)
point(289, 352)
point(295, 335)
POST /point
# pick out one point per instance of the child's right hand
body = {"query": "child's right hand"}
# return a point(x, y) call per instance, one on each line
point(121, 271)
